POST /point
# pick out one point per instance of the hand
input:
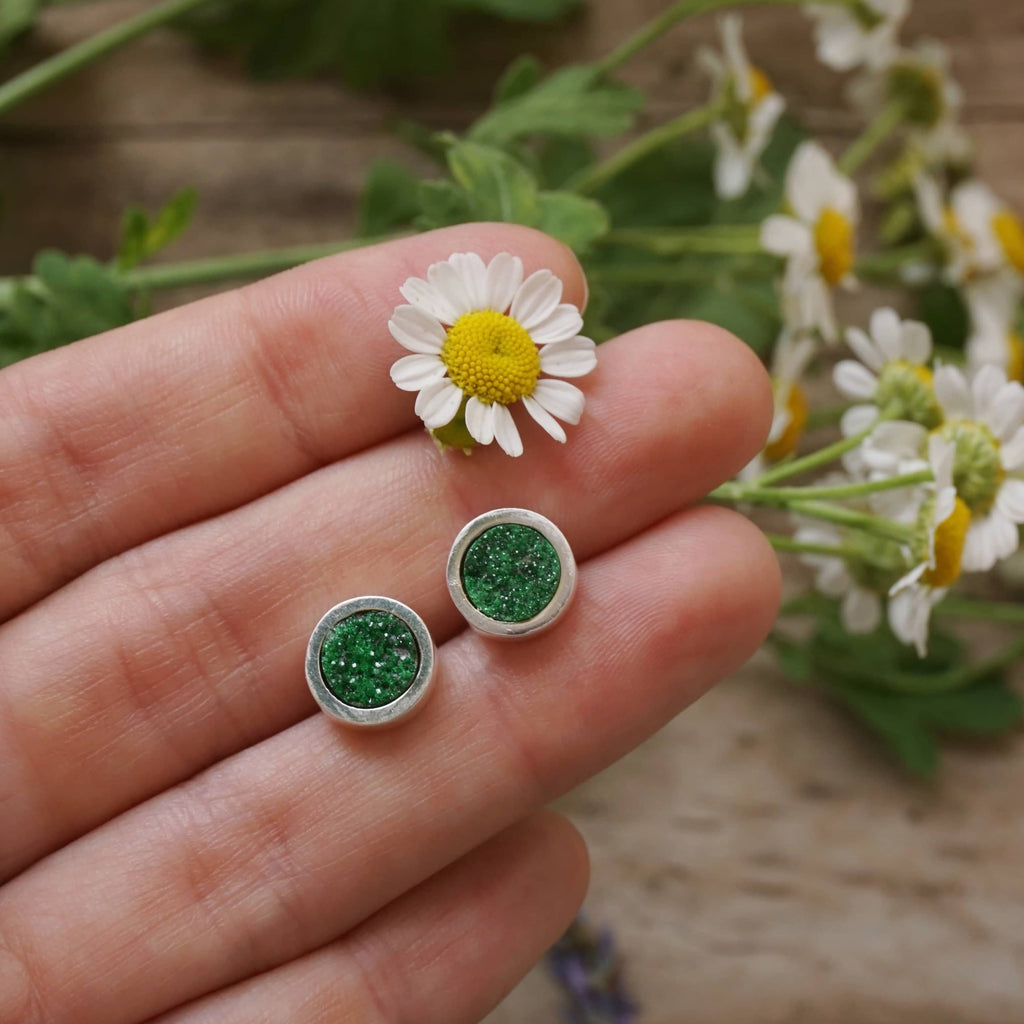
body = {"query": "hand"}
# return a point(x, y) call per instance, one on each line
point(181, 833)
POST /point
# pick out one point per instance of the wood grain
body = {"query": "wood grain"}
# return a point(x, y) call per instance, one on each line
point(759, 860)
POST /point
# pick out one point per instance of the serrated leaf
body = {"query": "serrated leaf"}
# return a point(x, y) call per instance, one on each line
point(142, 237)
point(390, 199)
point(519, 77)
point(572, 219)
point(575, 101)
point(498, 186)
point(442, 203)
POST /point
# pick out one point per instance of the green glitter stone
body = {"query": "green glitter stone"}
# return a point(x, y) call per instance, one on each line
point(511, 572)
point(369, 659)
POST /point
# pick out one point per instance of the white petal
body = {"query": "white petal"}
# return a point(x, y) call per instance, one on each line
point(536, 299)
point(473, 274)
point(505, 432)
point(573, 358)
point(412, 373)
point(833, 580)
point(785, 236)
point(438, 403)
point(504, 276)
point(864, 349)
point(885, 330)
point(909, 612)
point(1013, 451)
point(1010, 500)
point(544, 418)
point(986, 386)
point(857, 418)
point(916, 342)
point(986, 537)
point(861, 611)
point(733, 172)
point(1006, 412)
point(480, 420)
point(901, 438)
point(564, 323)
point(448, 283)
point(427, 298)
point(841, 45)
point(952, 393)
point(854, 380)
point(560, 398)
point(417, 330)
point(809, 181)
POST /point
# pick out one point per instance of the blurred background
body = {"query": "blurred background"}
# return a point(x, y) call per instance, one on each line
point(758, 861)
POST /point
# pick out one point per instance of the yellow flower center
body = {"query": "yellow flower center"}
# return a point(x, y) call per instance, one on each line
point(950, 535)
point(797, 407)
point(760, 85)
point(833, 238)
point(1008, 230)
point(1015, 356)
point(491, 357)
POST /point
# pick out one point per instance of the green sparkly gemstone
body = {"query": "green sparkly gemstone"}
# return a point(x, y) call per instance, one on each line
point(369, 659)
point(511, 572)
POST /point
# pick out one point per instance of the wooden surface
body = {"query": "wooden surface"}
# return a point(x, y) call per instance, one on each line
point(758, 859)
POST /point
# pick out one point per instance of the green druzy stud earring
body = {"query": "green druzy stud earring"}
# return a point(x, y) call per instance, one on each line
point(511, 573)
point(370, 661)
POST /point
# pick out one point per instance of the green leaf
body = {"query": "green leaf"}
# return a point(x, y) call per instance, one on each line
point(142, 237)
point(16, 17)
point(499, 187)
point(572, 219)
point(985, 710)
point(390, 199)
point(560, 158)
point(942, 308)
point(519, 77)
point(575, 101)
point(521, 10)
point(442, 203)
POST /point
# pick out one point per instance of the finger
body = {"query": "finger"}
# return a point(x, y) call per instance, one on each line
point(290, 843)
point(169, 642)
point(445, 953)
point(121, 437)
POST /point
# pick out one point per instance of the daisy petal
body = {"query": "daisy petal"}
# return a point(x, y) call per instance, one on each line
point(428, 299)
point(480, 420)
point(1013, 451)
point(854, 380)
point(416, 330)
point(951, 391)
point(473, 274)
point(1010, 500)
point(544, 418)
point(536, 299)
point(885, 330)
point(909, 612)
point(573, 358)
point(857, 419)
point(505, 432)
point(987, 537)
point(916, 342)
point(1006, 413)
point(413, 373)
point(447, 282)
point(785, 236)
point(564, 323)
point(986, 386)
point(560, 398)
point(438, 403)
point(732, 170)
point(504, 276)
point(864, 349)
point(861, 611)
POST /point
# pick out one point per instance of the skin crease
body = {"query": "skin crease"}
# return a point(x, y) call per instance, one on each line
point(182, 499)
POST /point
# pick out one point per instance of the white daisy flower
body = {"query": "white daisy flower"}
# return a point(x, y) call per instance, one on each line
point(860, 609)
point(944, 520)
point(890, 374)
point(848, 37)
point(994, 339)
point(481, 337)
point(751, 108)
point(817, 239)
point(984, 421)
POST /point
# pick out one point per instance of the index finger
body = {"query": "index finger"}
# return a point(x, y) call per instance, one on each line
point(120, 438)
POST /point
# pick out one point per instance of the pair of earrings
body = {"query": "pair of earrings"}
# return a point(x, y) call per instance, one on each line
point(371, 660)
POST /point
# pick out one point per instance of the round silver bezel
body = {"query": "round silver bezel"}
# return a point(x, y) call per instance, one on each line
point(545, 618)
point(387, 714)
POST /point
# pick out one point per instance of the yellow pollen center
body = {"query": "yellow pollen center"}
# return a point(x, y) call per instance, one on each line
point(833, 238)
point(1008, 230)
point(492, 357)
point(760, 85)
point(797, 407)
point(1015, 356)
point(950, 535)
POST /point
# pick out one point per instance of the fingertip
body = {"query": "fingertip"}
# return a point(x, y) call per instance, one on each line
point(566, 858)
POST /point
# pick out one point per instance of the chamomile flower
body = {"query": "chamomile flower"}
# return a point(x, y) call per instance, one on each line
point(890, 374)
point(817, 238)
point(863, 33)
point(481, 338)
point(751, 108)
point(943, 521)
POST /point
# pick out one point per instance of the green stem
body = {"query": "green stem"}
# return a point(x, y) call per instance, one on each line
point(706, 272)
point(989, 611)
point(659, 25)
point(738, 491)
point(888, 119)
point(864, 521)
point(800, 547)
point(882, 266)
point(79, 56)
point(822, 457)
point(721, 239)
point(591, 179)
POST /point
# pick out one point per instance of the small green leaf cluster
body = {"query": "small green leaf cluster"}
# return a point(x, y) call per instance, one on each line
point(908, 703)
